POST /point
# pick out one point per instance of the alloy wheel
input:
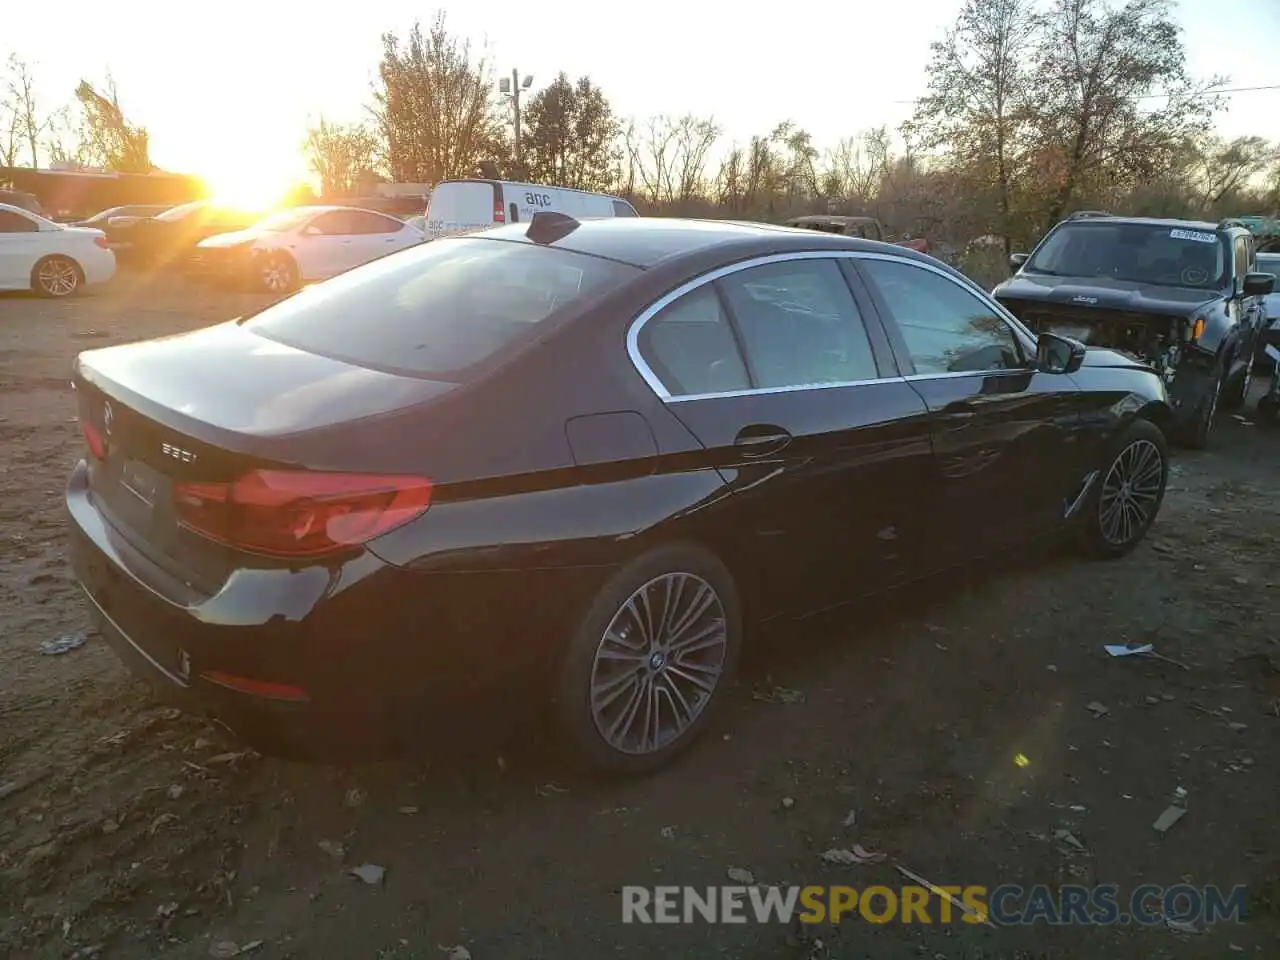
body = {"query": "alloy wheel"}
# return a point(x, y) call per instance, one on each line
point(1131, 492)
point(275, 275)
point(658, 664)
point(57, 277)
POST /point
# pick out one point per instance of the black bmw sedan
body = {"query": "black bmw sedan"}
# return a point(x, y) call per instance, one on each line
point(576, 458)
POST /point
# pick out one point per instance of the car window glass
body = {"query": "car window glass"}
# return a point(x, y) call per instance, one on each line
point(11, 222)
point(333, 224)
point(361, 221)
point(947, 329)
point(799, 324)
point(690, 346)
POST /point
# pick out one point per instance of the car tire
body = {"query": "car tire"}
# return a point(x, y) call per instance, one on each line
point(633, 693)
point(57, 277)
point(1196, 433)
point(276, 273)
point(1128, 491)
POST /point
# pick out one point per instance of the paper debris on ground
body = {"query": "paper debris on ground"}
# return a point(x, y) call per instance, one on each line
point(1181, 926)
point(1067, 839)
point(739, 875)
point(939, 892)
point(1176, 810)
point(65, 643)
point(850, 819)
point(1097, 709)
point(333, 848)
point(780, 695)
point(1124, 650)
point(456, 953)
point(859, 854)
point(370, 873)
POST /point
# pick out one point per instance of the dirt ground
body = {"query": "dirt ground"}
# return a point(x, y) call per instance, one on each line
point(128, 830)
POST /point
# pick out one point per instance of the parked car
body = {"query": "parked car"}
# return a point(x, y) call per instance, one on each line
point(574, 460)
point(52, 259)
point(465, 206)
point(866, 227)
point(124, 215)
point(1183, 295)
point(22, 200)
point(171, 237)
point(1268, 263)
point(418, 223)
point(300, 245)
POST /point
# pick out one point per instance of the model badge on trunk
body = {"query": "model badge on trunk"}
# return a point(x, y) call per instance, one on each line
point(1089, 300)
point(183, 456)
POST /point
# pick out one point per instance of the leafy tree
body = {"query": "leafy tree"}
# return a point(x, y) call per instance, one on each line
point(569, 136)
point(107, 139)
point(433, 106)
point(978, 107)
point(341, 156)
point(1114, 103)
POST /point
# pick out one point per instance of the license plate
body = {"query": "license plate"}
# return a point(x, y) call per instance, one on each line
point(139, 480)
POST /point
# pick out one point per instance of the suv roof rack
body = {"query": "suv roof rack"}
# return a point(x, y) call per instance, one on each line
point(1087, 214)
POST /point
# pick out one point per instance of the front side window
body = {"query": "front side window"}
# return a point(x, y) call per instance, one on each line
point(1147, 253)
point(800, 324)
point(946, 328)
point(690, 346)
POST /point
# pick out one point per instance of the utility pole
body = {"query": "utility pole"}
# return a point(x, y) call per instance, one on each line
point(513, 88)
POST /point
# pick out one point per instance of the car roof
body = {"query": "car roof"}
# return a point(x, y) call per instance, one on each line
point(1172, 224)
point(647, 241)
point(11, 208)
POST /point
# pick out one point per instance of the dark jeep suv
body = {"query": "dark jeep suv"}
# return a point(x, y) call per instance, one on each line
point(1184, 296)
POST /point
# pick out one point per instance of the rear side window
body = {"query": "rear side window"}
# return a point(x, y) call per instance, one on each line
point(623, 209)
point(440, 309)
point(690, 346)
point(11, 222)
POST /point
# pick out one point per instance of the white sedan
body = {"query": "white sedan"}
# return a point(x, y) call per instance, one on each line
point(301, 245)
point(49, 258)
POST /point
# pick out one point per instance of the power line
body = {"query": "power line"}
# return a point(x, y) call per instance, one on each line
point(1157, 96)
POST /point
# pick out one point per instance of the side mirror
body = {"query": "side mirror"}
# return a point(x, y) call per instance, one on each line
point(1016, 260)
point(1058, 354)
point(1259, 284)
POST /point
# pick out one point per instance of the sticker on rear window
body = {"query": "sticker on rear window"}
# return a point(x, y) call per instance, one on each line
point(1195, 235)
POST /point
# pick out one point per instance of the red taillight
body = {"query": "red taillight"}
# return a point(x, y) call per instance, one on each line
point(285, 513)
point(102, 242)
point(499, 215)
point(97, 446)
point(257, 688)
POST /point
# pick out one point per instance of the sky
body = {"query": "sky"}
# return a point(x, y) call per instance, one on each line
point(227, 89)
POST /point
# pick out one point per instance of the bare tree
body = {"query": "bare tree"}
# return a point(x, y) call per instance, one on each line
point(1223, 168)
point(978, 109)
point(669, 157)
point(341, 156)
point(434, 106)
point(23, 124)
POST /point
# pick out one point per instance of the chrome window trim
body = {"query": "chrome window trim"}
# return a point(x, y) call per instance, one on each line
point(665, 395)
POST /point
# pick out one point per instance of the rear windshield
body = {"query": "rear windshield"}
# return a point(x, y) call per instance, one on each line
point(440, 309)
point(1134, 252)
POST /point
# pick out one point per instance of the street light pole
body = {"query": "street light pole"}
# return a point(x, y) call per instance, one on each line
point(513, 88)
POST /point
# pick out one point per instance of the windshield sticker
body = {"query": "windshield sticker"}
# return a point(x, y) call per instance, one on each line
point(1195, 235)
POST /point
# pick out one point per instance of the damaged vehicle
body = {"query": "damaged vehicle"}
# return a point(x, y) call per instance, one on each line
point(1185, 297)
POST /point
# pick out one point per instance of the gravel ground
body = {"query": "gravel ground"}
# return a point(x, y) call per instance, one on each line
point(127, 829)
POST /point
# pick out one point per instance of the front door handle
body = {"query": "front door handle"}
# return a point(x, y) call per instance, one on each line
point(761, 439)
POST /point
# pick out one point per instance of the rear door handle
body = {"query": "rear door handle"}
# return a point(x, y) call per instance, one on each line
point(960, 408)
point(761, 439)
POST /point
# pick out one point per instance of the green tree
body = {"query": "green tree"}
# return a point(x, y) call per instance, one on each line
point(569, 136)
point(340, 156)
point(434, 107)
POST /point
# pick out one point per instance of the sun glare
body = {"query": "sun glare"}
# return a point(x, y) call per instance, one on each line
point(251, 190)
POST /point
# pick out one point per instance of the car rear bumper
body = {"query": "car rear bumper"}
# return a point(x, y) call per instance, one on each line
point(99, 266)
point(362, 660)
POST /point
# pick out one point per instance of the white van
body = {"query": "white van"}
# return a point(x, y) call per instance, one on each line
point(464, 206)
